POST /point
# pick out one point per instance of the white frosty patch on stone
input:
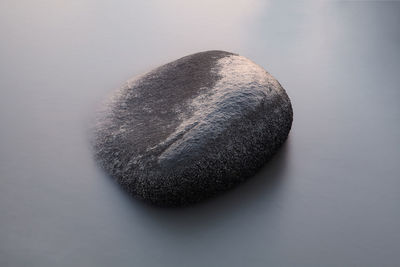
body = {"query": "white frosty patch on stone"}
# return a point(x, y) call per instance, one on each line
point(241, 88)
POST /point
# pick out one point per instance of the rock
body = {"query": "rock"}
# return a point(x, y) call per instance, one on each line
point(192, 128)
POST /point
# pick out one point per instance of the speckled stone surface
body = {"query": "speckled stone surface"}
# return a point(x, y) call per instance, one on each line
point(192, 128)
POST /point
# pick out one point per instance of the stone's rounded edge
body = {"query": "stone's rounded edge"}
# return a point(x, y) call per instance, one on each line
point(228, 161)
point(188, 194)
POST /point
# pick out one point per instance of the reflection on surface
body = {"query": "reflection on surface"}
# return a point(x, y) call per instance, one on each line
point(252, 194)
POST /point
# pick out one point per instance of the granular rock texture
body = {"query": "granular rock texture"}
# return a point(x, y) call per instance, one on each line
point(192, 128)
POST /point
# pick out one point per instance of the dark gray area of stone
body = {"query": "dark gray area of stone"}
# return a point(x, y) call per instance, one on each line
point(183, 132)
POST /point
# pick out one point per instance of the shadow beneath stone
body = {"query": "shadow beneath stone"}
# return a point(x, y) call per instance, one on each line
point(252, 196)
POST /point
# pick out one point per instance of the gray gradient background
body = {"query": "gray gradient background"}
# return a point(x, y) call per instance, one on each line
point(328, 198)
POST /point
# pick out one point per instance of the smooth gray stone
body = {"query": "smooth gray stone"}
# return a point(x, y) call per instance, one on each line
point(192, 128)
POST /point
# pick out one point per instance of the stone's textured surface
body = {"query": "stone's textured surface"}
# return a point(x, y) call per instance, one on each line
point(192, 128)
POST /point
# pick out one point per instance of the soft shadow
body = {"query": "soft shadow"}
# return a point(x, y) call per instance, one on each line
point(253, 196)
